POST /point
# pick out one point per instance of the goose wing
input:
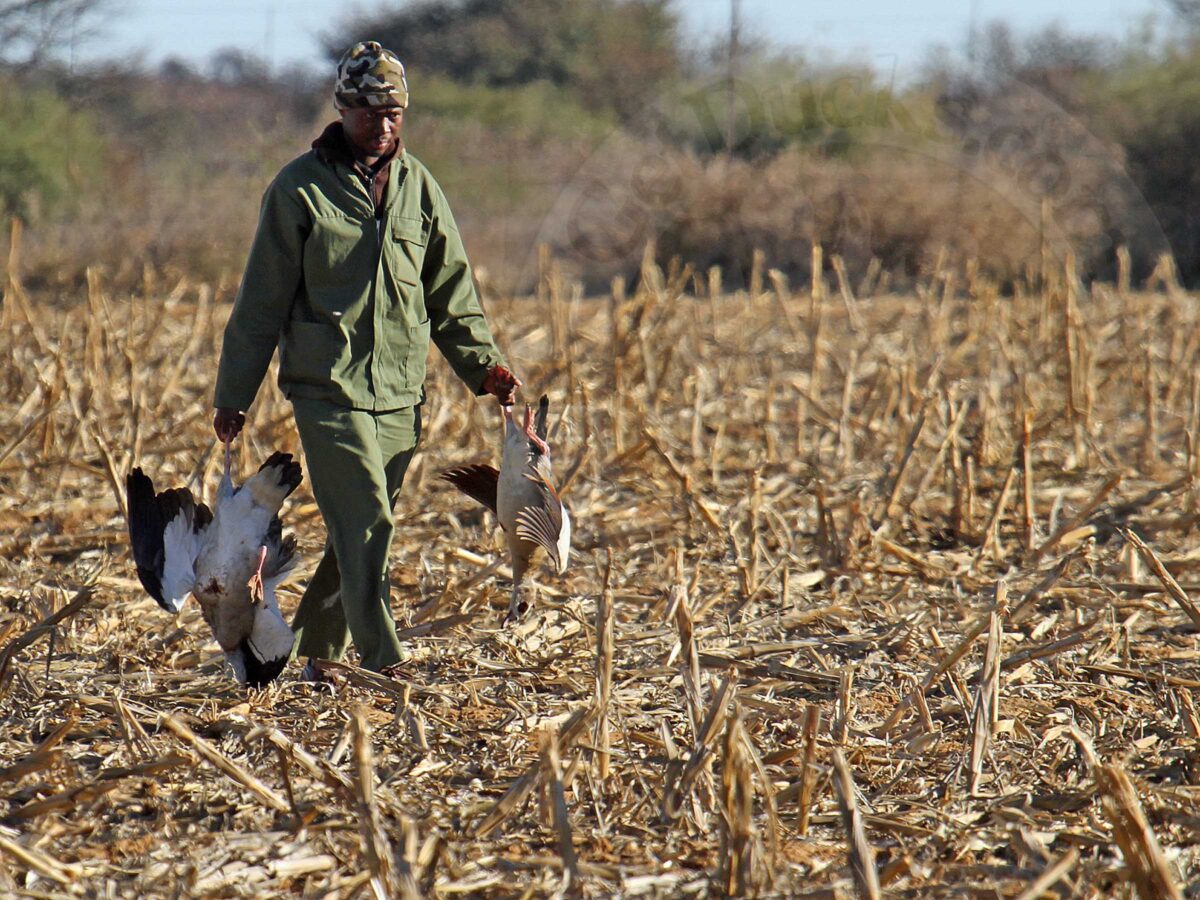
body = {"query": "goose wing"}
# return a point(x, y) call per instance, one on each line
point(546, 522)
point(478, 481)
point(273, 482)
point(166, 531)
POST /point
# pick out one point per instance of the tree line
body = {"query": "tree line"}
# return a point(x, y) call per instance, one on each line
point(1099, 133)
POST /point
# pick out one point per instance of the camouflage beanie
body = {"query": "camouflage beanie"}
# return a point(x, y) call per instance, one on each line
point(369, 75)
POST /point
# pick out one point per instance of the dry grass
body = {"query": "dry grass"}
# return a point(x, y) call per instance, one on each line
point(810, 502)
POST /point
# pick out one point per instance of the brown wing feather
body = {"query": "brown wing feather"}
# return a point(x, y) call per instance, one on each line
point(534, 525)
point(478, 481)
point(543, 523)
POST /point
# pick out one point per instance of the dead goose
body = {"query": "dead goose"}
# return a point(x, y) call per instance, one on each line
point(230, 559)
point(524, 499)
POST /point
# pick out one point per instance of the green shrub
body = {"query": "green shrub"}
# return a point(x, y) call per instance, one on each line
point(537, 111)
point(608, 54)
point(781, 103)
point(1151, 106)
point(48, 149)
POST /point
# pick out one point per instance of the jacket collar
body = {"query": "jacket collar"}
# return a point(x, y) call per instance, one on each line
point(332, 147)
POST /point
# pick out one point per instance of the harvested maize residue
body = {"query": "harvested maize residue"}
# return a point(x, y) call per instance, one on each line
point(867, 593)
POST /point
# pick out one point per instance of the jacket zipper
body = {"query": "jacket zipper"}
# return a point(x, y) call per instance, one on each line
point(369, 183)
point(380, 228)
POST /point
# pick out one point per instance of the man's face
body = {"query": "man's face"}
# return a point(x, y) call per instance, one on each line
point(372, 130)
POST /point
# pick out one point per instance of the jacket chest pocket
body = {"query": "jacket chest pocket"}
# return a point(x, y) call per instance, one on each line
point(339, 265)
point(337, 249)
point(406, 245)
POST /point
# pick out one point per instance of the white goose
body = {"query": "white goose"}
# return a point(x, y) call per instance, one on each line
point(230, 559)
point(524, 499)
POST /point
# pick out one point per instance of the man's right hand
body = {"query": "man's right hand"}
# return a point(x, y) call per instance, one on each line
point(227, 423)
point(501, 384)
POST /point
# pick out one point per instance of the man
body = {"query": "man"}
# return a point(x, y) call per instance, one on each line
point(356, 265)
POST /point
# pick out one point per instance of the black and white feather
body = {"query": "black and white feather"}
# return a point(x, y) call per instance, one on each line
point(231, 559)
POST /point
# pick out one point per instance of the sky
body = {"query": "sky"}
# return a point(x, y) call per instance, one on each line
point(886, 33)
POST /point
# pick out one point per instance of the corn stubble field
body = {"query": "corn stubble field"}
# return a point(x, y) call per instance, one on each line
point(871, 592)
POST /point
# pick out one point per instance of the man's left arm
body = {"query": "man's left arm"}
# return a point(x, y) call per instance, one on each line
point(457, 322)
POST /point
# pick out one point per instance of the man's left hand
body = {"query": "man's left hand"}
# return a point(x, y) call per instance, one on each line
point(501, 384)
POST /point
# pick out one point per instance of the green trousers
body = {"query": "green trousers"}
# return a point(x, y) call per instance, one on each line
point(356, 463)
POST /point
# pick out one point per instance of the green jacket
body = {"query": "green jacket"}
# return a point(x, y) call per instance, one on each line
point(352, 300)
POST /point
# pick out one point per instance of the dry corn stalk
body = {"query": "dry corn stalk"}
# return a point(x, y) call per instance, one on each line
point(604, 669)
point(892, 507)
point(136, 377)
point(1027, 501)
point(845, 706)
point(377, 849)
point(315, 766)
point(862, 856)
point(987, 694)
point(808, 774)
point(207, 751)
point(1075, 521)
point(678, 789)
point(737, 806)
point(691, 497)
point(1144, 858)
point(42, 863)
point(942, 668)
point(409, 863)
point(520, 789)
point(689, 653)
point(552, 773)
point(81, 599)
point(991, 531)
point(1154, 564)
point(1054, 873)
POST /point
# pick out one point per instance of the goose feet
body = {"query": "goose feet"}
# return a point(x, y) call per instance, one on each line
point(256, 583)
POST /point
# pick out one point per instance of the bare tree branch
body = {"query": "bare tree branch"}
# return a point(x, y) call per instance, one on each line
point(1189, 10)
point(34, 31)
